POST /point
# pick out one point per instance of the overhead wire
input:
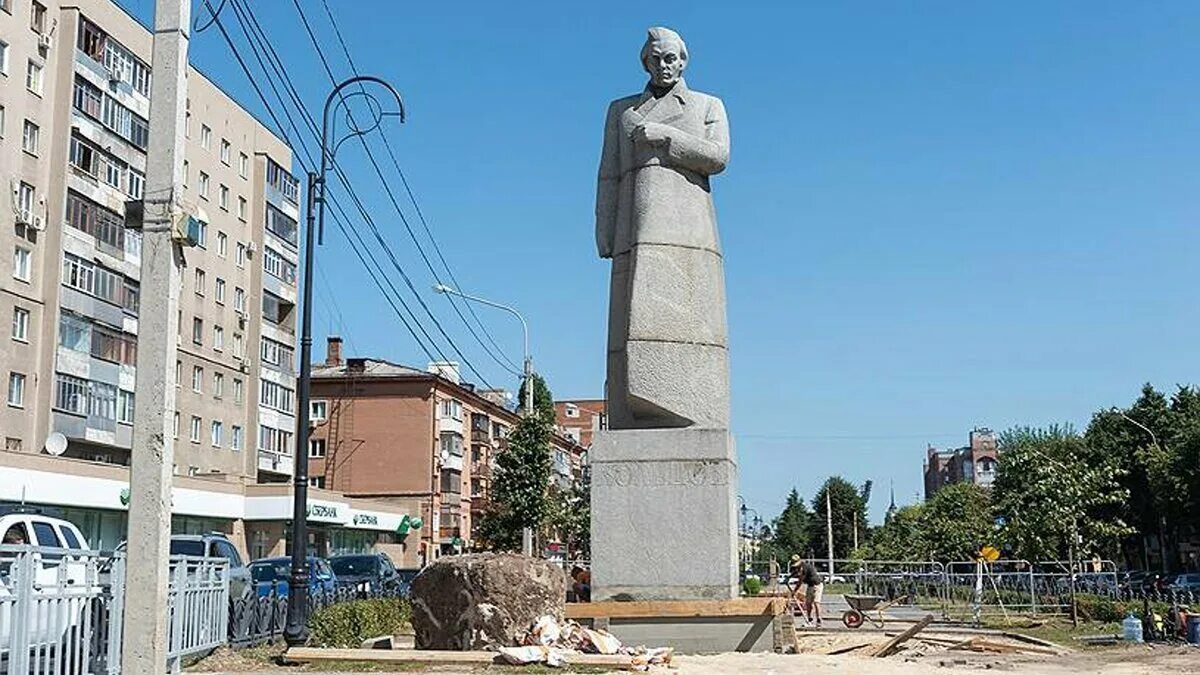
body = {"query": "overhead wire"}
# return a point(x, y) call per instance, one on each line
point(257, 39)
point(360, 254)
point(494, 350)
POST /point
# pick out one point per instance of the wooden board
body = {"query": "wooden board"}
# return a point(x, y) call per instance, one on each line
point(441, 657)
point(891, 645)
point(676, 608)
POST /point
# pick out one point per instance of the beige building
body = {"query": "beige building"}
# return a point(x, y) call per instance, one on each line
point(74, 105)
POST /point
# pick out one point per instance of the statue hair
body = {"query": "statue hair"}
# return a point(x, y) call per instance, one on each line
point(660, 34)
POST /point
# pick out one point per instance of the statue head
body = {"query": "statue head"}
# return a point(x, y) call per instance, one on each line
point(664, 56)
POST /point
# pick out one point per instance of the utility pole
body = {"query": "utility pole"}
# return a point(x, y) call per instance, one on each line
point(829, 530)
point(144, 651)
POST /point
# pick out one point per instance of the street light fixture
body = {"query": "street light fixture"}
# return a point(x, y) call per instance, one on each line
point(296, 631)
point(450, 290)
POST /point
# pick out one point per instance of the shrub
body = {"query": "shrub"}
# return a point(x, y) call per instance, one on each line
point(752, 586)
point(347, 624)
point(1106, 610)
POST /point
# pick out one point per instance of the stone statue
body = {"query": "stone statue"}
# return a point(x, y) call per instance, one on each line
point(667, 349)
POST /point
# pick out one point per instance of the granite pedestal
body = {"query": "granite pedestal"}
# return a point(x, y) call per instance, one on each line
point(664, 515)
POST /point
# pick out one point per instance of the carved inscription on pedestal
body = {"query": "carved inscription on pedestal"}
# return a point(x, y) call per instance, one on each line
point(675, 473)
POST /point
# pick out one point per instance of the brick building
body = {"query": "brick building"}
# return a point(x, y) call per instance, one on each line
point(580, 419)
point(972, 463)
point(422, 439)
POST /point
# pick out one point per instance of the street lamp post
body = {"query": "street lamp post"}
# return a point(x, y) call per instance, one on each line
point(296, 631)
point(1162, 543)
point(449, 290)
point(527, 532)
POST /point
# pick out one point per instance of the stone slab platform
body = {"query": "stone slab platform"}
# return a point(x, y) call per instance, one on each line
point(664, 515)
point(691, 627)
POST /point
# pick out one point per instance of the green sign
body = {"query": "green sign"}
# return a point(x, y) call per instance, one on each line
point(125, 497)
point(408, 523)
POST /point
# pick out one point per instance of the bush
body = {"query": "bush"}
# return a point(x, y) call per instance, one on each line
point(752, 586)
point(1106, 610)
point(347, 624)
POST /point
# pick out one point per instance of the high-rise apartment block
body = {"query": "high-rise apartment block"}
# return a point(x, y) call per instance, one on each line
point(74, 105)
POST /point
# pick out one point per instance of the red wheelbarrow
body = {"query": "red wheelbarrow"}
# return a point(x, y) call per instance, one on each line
point(861, 607)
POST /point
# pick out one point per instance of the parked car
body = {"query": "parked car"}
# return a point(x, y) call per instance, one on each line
point(274, 574)
point(1183, 582)
point(58, 576)
point(216, 545)
point(368, 573)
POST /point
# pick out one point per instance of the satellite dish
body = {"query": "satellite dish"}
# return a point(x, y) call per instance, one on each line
point(56, 443)
point(445, 455)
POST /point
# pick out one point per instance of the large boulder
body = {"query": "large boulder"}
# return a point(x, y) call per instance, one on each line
point(483, 600)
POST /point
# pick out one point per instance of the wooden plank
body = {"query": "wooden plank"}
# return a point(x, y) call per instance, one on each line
point(441, 657)
point(844, 650)
point(891, 645)
point(676, 608)
point(1020, 637)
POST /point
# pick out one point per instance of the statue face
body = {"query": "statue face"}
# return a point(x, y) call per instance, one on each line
point(665, 63)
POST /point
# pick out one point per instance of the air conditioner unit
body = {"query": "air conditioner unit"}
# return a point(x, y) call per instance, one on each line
point(251, 247)
point(114, 75)
point(45, 41)
point(38, 224)
point(244, 367)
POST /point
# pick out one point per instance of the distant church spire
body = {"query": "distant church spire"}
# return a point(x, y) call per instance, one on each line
point(891, 507)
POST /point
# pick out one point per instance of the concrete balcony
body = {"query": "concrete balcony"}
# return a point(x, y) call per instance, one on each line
point(274, 462)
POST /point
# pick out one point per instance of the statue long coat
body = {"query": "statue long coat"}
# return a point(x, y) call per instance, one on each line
point(667, 345)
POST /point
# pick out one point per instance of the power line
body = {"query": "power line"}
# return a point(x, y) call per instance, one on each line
point(494, 351)
point(303, 147)
point(246, 18)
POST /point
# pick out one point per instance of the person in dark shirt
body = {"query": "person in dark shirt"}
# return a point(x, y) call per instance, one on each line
point(814, 586)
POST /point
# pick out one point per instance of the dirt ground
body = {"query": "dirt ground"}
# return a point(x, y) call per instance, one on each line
point(1131, 660)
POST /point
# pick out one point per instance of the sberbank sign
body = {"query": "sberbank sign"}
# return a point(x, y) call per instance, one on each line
point(323, 511)
point(365, 519)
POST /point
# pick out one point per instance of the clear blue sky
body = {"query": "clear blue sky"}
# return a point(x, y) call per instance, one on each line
point(937, 214)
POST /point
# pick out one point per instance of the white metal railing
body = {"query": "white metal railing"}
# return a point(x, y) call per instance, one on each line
point(61, 610)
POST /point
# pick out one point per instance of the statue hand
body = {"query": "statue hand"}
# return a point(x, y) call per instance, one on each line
point(652, 133)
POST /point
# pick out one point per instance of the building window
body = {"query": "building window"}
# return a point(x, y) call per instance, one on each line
point(219, 290)
point(218, 385)
point(25, 198)
point(241, 212)
point(197, 379)
point(204, 185)
point(21, 263)
point(276, 397)
point(281, 225)
point(452, 443)
point(31, 138)
point(197, 330)
point(202, 234)
point(225, 152)
point(175, 425)
point(37, 17)
point(275, 309)
point(218, 430)
point(16, 390)
point(223, 197)
point(137, 184)
point(277, 354)
point(318, 410)
point(278, 266)
point(316, 482)
point(3, 54)
point(222, 244)
point(280, 179)
point(2, 48)
point(235, 438)
point(240, 257)
point(187, 174)
point(20, 324)
point(278, 441)
point(243, 165)
point(452, 409)
point(237, 390)
point(316, 448)
point(205, 137)
point(199, 282)
point(571, 410)
point(125, 406)
point(194, 432)
point(33, 77)
point(218, 338)
point(239, 346)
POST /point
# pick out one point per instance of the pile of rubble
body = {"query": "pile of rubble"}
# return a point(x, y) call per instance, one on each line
point(553, 643)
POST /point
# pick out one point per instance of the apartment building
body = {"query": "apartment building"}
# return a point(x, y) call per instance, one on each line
point(74, 104)
point(422, 439)
point(975, 462)
point(580, 419)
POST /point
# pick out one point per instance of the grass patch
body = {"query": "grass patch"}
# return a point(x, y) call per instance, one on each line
point(1059, 631)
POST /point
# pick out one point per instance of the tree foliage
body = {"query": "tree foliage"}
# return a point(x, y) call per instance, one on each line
point(1052, 501)
point(848, 510)
point(520, 489)
point(901, 537)
point(790, 531)
point(957, 522)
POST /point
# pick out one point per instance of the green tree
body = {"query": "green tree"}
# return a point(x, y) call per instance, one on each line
point(901, 537)
point(569, 518)
point(849, 511)
point(789, 532)
point(1053, 501)
point(520, 492)
point(956, 522)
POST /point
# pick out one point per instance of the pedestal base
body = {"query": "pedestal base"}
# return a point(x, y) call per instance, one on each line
point(664, 515)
